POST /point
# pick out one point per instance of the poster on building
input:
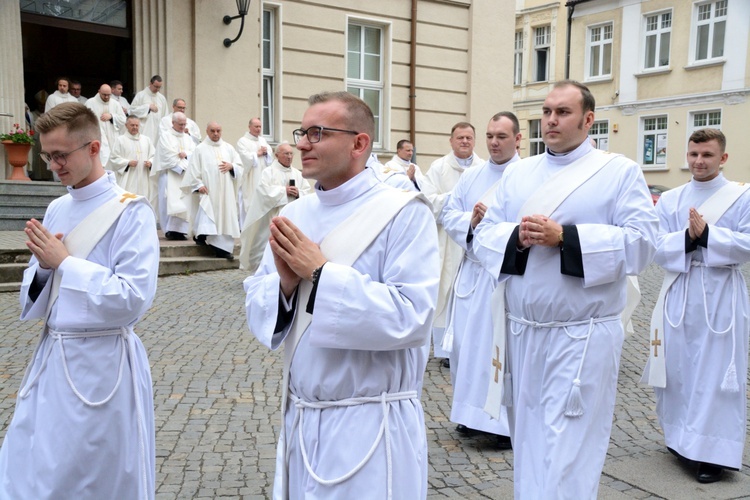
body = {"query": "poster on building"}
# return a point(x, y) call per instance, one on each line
point(661, 149)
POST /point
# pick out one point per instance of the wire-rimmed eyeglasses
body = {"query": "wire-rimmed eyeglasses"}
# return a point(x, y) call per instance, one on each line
point(60, 158)
point(315, 133)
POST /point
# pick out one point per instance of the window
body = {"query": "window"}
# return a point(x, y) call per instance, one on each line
point(600, 51)
point(364, 70)
point(710, 24)
point(658, 36)
point(268, 70)
point(705, 119)
point(654, 140)
point(536, 145)
point(541, 53)
point(599, 132)
point(518, 59)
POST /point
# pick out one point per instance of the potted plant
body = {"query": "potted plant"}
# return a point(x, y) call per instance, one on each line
point(17, 143)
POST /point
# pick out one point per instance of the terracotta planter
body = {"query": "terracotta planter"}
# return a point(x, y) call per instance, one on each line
point(18, 157)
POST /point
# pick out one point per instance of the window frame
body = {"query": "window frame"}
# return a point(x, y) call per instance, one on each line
point(363, 85)
point(656, 141)
point(536, 138)
point(598, 136)
point(269, 80)
point(658, 35)
point(518, 58)
point(544, 47)
point(603, 44)
point(711, 22)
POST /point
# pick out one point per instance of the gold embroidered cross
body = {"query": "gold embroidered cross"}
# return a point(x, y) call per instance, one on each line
point(125, 196)
point(496, 363)
point(656, 343)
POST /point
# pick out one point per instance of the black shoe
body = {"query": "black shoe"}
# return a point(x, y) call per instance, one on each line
point(466, 431)
point(223, 254)
point(682, 459)
point(445, 363)
point(503, 443)
point(708, 473)
point(175, 236)
point(200, 240)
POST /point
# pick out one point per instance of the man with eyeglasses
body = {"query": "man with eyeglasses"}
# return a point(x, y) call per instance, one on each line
point(75, 91)
point(111, 117)
point(348, 285)
point(150, 106)
point(256, 156)
point(192, 129)
point(83, 426)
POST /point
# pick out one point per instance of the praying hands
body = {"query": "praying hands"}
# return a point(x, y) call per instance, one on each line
point(538, 230)
point(48, 249)
point(295, 255)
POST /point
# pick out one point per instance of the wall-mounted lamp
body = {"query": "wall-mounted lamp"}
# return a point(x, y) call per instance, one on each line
point(242, 8)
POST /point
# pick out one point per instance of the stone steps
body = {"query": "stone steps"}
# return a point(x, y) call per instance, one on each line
point(20, 201)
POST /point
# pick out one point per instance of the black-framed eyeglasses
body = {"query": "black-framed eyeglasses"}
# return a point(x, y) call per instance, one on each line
point(60, 158)
point(315, 133)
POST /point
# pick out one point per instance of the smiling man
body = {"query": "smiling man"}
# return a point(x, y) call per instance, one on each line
point(704, 238)
point(83, 426)
point(565, 230)
point(348, 285)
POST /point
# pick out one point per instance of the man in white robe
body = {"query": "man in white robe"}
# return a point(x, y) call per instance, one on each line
point(362, 357)
point(402, 160)
point(210, 183)
point(150, 106)
point(702, 409)
point(83, 426)
point(111, 117)
point(132, 158)
point(565, 277)
point(192, 129)
point(395, 178)
point(256, 155)
point(469, 319)
point(60, 95)
point(170, 163)
point(75, 91)
point(117, 96)
point(280, 184)
point(437, 186)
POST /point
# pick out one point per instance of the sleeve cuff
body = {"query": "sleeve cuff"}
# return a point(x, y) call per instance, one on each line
point(515, 260)
point(571, 258)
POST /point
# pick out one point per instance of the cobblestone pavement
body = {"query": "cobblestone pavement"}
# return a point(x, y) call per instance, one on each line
point(216, 393)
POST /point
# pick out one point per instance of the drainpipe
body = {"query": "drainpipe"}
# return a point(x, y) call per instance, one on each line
point(413, 74)
point(571, 5)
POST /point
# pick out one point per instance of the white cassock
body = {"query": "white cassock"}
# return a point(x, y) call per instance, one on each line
point(111, 128)
point(437, 185)
point(557, 456)
point(56, 98)
point(124, 105)
point(57, 445)
point(369, 332)
point(396, 163)
point(247, 147)
point(127, 148)
point(394, 177)
point(150, 120)
point(469, 314)
point(700, 420)
point(169, 169)
point(192, 128)
point(270, 197)
point(213, 214)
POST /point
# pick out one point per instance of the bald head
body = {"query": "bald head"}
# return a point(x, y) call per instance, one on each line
point(213, 131)
point(179, 121)
point(285, 154)
point(105, 92)
point(256, 127)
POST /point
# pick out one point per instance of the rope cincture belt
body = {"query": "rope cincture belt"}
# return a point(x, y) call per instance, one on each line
point(385, 399)
point(126, 350)
point(574, 407)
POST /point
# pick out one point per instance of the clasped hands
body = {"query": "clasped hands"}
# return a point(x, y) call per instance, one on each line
point(48, 248)
point(696, 224)
point(295, 255)
point(538, 230)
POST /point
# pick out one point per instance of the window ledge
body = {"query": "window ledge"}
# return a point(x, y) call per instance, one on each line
point(707, 63)
point(599, 79)
point(647, 168)
point(652, 72)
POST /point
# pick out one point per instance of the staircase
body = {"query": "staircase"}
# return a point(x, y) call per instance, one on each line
point(20, 201)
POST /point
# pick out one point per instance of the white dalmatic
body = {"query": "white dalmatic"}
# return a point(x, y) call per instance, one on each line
point(214, 213)
point(252, 164)
point(169, 168)
point(109, 128)
point(269, 199)
point(127, 148)
point(150, 120)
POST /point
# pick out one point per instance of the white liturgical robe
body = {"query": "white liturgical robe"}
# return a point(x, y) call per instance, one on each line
point(56, 98)
point(702, 421)
point(150, 120)
point(252, 165)
point(60, 444)
point(192, 129)
point(269, 199)
point(396, 163)
point(123, 102)
point(110, 128)
point(368, 337)
point(127, 148)
point(437, 186)
point(469, 316)
point(564, 331)
point(170, 168)
point(214, 213)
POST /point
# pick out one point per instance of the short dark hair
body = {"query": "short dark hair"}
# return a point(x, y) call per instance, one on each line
point(74, 82)
point(156, 78)
point(76, 118)
point(588, 103)
point(57, 81)
point(400, 144)
point(463, 125)
point(510, 116)
point(359, 114)
point(709, 134)
point(115, 83)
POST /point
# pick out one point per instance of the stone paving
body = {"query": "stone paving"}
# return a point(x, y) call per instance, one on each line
point(217, 390)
